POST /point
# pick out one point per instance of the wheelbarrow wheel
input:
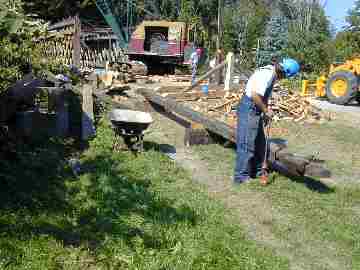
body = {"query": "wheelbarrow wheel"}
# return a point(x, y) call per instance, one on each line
point(138, 146)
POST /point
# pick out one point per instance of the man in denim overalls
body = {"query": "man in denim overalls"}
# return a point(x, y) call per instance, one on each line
point(251, 113)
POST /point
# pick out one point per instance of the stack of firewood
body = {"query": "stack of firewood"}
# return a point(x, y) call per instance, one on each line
point(289, 105)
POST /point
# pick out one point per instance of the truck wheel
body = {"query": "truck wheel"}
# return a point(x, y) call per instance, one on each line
point(342, 87)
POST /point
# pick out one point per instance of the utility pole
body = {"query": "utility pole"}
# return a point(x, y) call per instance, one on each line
point(219, 39)
point(220, 23)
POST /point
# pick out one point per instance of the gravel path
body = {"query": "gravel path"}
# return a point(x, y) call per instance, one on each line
point(325, 105)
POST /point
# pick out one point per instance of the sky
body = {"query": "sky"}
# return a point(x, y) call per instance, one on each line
point(337, 10)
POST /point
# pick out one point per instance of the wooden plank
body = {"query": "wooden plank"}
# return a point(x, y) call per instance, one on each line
point(87, 123)
point(62, 24)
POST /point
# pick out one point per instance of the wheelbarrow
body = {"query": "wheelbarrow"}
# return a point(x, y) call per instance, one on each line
point(130, 125)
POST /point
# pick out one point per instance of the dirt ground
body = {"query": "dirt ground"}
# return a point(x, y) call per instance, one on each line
point(254, 210)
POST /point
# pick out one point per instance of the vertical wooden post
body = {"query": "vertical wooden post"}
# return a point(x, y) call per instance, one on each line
point(87, 122)
point(230, 59)
point(62, 113)
point(76, 56)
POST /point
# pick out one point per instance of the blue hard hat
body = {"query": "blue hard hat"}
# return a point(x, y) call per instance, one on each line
point(290, 67)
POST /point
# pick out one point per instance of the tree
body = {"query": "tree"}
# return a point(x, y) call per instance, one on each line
point(353, 18)
point(17, 49)
point(309, 34)
point(276, 38)
point(347, 42)
point(244, 24)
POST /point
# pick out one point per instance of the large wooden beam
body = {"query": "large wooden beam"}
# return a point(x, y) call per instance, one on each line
point(190, 96)
point(171, 105)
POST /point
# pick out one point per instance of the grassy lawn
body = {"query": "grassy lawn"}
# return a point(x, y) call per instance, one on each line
point(335, 142)
point(123, 212)
point(319, 223)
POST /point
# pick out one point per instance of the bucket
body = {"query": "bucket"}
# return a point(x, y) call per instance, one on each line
point(205, 87)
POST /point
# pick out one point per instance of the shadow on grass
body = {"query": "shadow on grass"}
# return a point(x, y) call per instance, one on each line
point(108, 200)
point(161, 148)
point(312, 184)
point(34, 177)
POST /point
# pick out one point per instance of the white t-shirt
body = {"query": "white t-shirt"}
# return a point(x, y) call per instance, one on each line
point(261, 80)
point(194, 58)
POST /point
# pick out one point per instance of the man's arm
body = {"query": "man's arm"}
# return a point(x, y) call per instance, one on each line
point(259, 102)
point(258, 99)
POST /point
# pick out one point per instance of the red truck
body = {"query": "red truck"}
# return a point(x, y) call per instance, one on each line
point(161, 45)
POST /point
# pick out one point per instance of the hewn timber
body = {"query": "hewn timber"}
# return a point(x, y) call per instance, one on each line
point(180, 89)
point(190, 96)
point(171, 105)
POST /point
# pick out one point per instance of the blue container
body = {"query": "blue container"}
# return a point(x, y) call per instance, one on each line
point(99, 71)
point(205, 88)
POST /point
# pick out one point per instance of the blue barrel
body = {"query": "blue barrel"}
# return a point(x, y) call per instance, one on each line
point(205, 88)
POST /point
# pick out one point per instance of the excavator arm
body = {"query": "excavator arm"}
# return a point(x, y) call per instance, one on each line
point(107, 10)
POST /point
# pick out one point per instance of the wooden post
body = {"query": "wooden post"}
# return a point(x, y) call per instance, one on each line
point(229, 71)
point(196, 134)
point(76, 56)
point(87, 122)
point(62, 113)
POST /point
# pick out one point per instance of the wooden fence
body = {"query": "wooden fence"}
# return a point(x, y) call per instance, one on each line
point(70, 42)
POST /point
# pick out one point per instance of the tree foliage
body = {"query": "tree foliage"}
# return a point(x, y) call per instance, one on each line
point(17, 49)
point(276, 38)
point(347, 42)
point(296, 28)
point(309, 39)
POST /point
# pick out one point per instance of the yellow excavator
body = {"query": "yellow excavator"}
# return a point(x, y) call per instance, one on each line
point(340, 86)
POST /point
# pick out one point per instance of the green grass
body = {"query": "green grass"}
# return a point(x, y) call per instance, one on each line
point(318, 223)
point(335, 142)
point(123, 212)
